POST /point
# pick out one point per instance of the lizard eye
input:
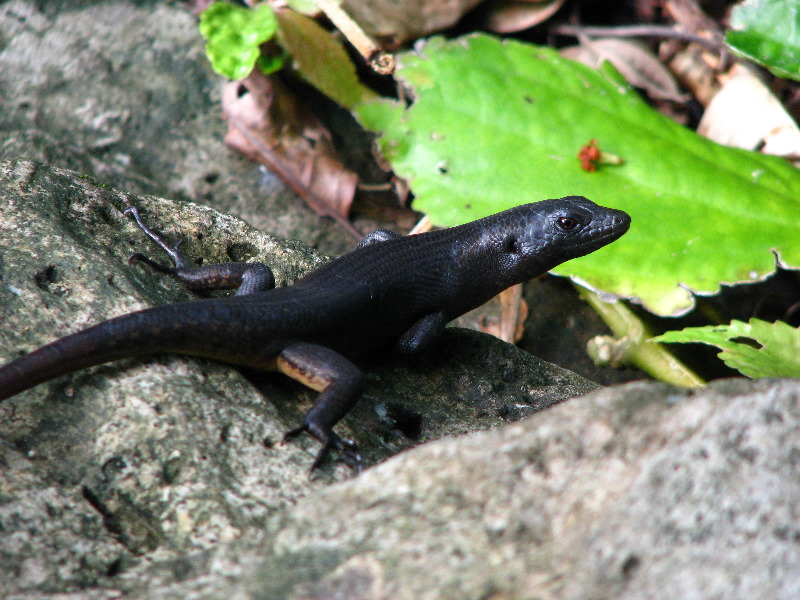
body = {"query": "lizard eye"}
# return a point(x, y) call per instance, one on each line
point(567, 223)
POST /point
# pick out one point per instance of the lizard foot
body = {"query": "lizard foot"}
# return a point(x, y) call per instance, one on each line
point(172, 251)
point(330, 441)
point(245, 277)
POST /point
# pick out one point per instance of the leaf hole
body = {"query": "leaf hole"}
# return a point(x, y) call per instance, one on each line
point(747, 342)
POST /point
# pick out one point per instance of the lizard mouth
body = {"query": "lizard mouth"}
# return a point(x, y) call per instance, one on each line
point(615, 229)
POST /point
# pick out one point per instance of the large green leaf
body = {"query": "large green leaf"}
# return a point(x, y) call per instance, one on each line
point(493, 124)
point(755, 349)
point(768, 32)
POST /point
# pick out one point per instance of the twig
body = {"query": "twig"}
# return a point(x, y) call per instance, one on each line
point(657, 31)
point(375, 187)
point(380, 61)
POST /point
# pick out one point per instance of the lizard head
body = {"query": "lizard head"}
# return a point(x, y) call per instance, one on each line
point(567, 228)
point(531, 239)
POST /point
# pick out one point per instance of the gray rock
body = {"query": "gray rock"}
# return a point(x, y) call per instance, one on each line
point(637, 492)
point(103, 467)
point(157, 462)
point(123, 91)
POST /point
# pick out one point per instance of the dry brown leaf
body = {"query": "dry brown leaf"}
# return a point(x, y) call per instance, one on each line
point(394, 22)
point(641, 68)
point(515, 311)
point(745, 114)
point(508, 16)
point(504, 315)
point(695, 67)
point(269, 124)
point(690, 16)
point(696, 72)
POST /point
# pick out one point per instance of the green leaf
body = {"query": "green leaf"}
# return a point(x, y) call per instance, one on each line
point(494, 124)
point(768, 32)
point(234, 36)
point(270, 64)
point(755, 349)
point(321, 59)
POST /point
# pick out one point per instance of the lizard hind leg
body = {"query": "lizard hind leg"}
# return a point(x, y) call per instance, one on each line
point(339, 383)
point(245, 277)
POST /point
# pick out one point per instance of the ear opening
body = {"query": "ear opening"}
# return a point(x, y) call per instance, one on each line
point(511, 245)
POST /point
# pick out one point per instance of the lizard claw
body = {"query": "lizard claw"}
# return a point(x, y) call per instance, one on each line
point(139, 257)
point(347, 449)
point(330, 441)
point(172, 251)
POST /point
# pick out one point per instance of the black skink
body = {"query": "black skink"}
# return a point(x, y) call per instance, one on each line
point(391, 291)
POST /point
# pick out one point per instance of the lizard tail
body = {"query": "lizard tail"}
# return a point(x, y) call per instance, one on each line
point(162, 329)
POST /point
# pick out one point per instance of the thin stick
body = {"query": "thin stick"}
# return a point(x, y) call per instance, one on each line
point(380, 61)
point(376, 187)
point(657, 31)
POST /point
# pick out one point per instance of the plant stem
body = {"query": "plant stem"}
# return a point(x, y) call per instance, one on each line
point(376, 58)
point(633, 345)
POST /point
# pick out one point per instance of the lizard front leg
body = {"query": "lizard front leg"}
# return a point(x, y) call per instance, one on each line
point(245, 277)
point(339, 383)
point(422, 334)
